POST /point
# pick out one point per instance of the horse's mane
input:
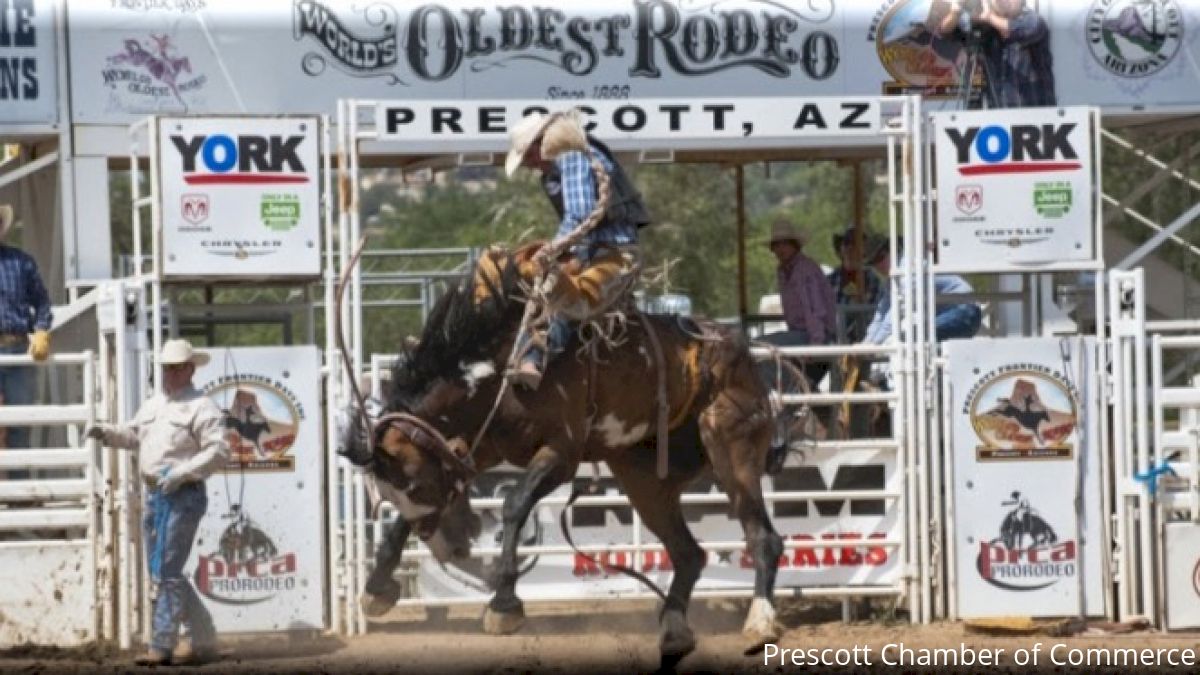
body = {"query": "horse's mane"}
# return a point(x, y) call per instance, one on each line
point(459, 330)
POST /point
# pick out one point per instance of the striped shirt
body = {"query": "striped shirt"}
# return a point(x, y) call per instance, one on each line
point(24, 302)
point(579, 198)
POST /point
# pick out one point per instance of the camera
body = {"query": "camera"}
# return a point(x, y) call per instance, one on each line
point(973, 8)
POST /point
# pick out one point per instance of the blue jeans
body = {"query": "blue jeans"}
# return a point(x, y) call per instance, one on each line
point(17, 385)
point(557, 337)
point(958, 322)
point(169, 526)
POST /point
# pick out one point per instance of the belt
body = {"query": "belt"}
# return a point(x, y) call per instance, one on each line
point(13, 339)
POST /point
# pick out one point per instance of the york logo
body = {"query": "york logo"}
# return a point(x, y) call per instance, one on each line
point(1023, 148)
point(218, 159)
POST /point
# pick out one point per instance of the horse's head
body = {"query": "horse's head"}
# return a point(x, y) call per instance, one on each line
point(442, 389)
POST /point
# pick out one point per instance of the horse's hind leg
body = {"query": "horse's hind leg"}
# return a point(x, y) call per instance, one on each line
point(658, 505)
point(547, 470)
point(382, 591)
point(736, 438)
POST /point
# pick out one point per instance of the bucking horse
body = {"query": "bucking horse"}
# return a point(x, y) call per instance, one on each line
point(444, 422)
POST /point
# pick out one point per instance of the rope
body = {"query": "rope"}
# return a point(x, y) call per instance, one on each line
point(627, 571)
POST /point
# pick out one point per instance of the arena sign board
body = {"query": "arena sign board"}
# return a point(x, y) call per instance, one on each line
point(1181, 564)
point(258, 561)
point(849, 538)
point(654, 123)
point(28, 62)
point(134, 57)
point(1024, 434)
point(239, 196)
point(1015, 187)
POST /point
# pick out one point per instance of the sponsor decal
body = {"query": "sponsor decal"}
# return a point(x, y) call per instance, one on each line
point(1052, 199)
point(1023, 412)
point(433, 42)
point(1019, 148)
point(245, 159)
point(1196, 578)
point(247, 567)
point(910, 49)
point(262, 417)
point(1027, 555)
point(280, 212)
point(19, 38)
point(1134, 38)
point(968, 199)
point(178, 6)
point(152, 71)
point(194, 208)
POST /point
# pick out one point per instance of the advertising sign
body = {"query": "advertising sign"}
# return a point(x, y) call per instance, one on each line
point(1025, 441)
point(240, 196)
point(1014, 187)
point(258, 558)
point(133, 57)
point(848, 534)
point(28, 62)
point(653, 122)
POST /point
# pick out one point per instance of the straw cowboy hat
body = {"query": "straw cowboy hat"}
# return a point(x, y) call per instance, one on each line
point(557, 132)
point(783, 230)
point(175, 352)
point(7, 216)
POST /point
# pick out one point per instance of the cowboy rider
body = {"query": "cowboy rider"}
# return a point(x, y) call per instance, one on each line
point(608, 255)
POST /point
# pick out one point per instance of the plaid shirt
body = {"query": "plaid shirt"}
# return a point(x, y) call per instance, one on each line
point(1019, 68)
point(24, 302)
point(807, 299)
point(579, 198)
point(846, 293)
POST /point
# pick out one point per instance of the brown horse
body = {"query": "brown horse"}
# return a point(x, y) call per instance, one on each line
point(597, 406)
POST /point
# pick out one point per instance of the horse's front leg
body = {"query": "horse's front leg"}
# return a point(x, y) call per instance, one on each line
point(505, 613)
point(382, 591)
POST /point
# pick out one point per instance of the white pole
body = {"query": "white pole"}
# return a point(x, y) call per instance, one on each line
point(332, 396)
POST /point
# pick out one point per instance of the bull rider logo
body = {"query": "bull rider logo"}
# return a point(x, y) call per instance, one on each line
point(1027, 555)
point(262, 419)
point(912, 51)
point(247, 567)
point(1023, 412)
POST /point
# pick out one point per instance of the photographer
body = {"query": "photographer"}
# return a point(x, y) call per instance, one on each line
point(1013, 46)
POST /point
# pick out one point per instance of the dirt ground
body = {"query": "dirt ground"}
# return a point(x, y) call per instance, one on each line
point(603, 638)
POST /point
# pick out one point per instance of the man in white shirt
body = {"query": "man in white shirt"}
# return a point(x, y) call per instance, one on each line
point(180, 441)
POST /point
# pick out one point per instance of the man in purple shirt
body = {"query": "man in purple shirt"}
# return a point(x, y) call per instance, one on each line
point(809, 307)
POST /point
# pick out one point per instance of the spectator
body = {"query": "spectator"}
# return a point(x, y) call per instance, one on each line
point(25, 311)
point(953, 321)
point(807, 298)
point(854, 283)
point(1013, 44)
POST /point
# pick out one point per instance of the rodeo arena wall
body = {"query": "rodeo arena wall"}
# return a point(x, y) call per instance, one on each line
point(1051, 468)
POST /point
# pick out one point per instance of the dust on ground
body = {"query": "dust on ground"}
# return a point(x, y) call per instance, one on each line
point(588, 637)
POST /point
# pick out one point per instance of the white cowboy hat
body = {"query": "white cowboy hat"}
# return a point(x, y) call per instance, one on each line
point(783, 230)
point(175, 352)
point(523, 136)
point(7, 216)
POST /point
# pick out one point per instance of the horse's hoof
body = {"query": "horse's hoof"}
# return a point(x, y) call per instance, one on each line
point(503, 623)
point(374, 605)
point(677, 639)
point(760, 627)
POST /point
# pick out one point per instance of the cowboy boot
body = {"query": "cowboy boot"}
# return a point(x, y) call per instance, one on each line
point(527, 375)
point(153, 657)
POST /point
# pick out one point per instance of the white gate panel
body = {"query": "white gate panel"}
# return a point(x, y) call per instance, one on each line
point(1025, 443)
point(57, 605)
point(1182, 575)
point(258, 558)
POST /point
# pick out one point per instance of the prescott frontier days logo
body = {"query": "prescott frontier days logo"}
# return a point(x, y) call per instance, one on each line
point(1134, 38)
point(262, 418)
point(1023, 412)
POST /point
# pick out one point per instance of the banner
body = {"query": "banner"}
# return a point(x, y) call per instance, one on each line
point(1014, 187)
point(132, 57)
point(850, 537)
point(258, 559)
point(1024, 431)
point(28, 62)
point(240, 196)
point(656, 123)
